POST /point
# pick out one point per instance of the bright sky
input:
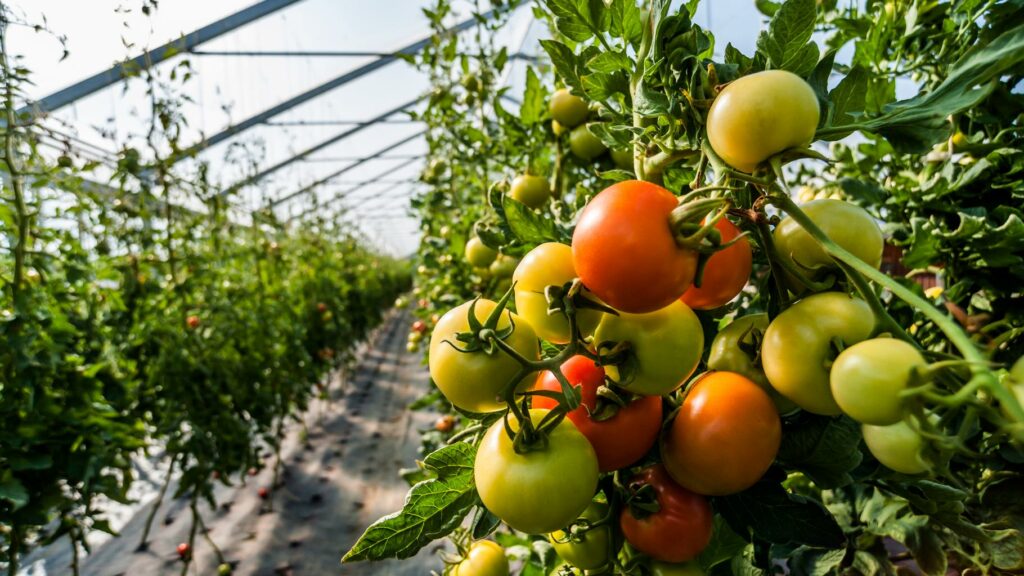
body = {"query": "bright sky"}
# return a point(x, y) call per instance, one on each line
point(228, 89)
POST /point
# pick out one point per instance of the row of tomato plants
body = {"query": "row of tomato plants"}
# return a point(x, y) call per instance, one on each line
point(131, 327)
point(657, 362)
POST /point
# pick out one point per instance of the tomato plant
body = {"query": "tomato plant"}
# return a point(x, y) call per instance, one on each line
point(620, 435)
point(725, 436)
point(587, 547)
point(625, 252)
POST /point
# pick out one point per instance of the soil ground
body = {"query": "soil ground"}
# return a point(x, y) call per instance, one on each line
point(343, 478)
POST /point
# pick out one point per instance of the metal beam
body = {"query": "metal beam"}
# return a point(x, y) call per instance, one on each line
point(320, 146)
point(318, 91)
point(120, 71)
point(294, 53)
point(333, 175)
point(357, 187)
point(338, 122)
point(354, 158)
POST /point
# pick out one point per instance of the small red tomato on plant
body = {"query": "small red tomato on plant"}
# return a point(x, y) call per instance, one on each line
point(679, 530)
point(321, 307)
point(419, 326)
point(184, 549)
point(193, 322)
point(263, 492)
point(620, 435)
point(445, 423)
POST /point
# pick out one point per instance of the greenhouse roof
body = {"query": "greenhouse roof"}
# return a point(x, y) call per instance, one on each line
point(307, 92)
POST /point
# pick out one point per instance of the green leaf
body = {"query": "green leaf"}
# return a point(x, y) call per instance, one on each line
point(578, 20)
point(527, 225)
point(14, 492)
point(847, 98)
point(823, 448)
point(625, 21)
point(31, 462)
point(609, 62)
point(724, 546)
point(432, 509)
point(532, 108)
point(767, 7)
point(565, 62)
point(758, 510)
point(484, 523)
point(815, 561)
point(787, 43)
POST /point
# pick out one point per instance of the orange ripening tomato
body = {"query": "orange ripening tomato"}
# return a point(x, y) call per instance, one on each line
point(725, 437)
point(625, 252)
point(619, 440)
point(725, 273)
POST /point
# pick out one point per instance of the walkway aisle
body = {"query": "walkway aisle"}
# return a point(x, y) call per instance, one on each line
point(333, 488)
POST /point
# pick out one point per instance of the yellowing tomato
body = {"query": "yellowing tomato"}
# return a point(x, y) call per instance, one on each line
point(549, 264)
point(567, 109)
point(478, 254)
point(760, 115)
point(484, 558)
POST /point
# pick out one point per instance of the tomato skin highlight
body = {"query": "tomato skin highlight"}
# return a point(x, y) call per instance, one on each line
point(725, 273)
point(618, 441)
point(549, 264)
point(510, 484)
point(759, 115)
point(725, 436)
point(473, 380)
point(798, 343)
point(679, 530)
point(667, 345)
point(624, 251)
point(846, 224)
point(484, 558)
point(867, 379)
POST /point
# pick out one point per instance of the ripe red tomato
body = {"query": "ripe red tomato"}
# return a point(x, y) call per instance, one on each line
point(624, 250)
point(263, 492)
point(184, 549)
point(725, 436)
point(618, 441)
point(193, 322)
point(321, 307)
point(725, 273)
point(445, 423)
point(679, 530)
point(419, 326)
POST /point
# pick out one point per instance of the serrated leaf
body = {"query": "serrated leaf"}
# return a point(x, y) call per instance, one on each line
point(532, 108)
point(578, 20)
point(609, 62)
point(432, 509)
point(527, 225)
point(484, 523)
point(757, 510)
point(847, 98)
point(565, 62)
point(786, 42)
point(823, 448)
point(625, 21)
point(724, 546)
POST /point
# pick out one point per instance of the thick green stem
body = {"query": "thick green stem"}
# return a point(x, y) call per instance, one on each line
point(883, 321)
point(981, 375)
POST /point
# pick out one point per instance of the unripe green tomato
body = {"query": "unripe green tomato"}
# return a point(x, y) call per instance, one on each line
point(412, 347)
point(868, 377)
point(623, 158)
point(584, 144)
point(727, 355)
point(757, 116)
point(470, 82)
point(503, 266)
point(897, 446)
point(224, 569)
point(485, 558)
point(589, 551)
point(478, 254)
point(533, 191)
point(567, 109)
point(685, 569)
point(550, 264)
point(846, 224)
point(797, 347)
point(557, 128)
point(415, 337)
